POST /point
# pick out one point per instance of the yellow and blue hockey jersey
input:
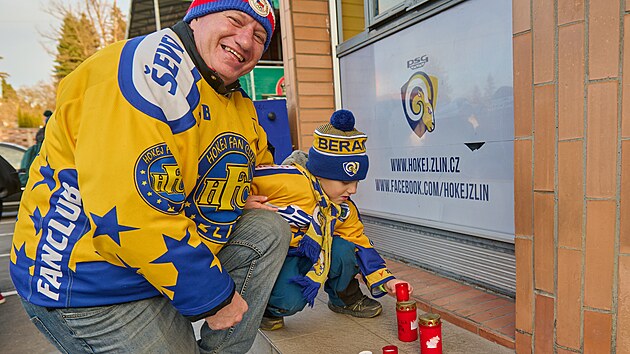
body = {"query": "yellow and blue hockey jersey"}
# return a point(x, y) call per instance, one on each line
point(289, 188)
point(144, 170)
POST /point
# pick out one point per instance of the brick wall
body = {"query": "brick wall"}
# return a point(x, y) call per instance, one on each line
point(20, 136)
point(308, 67)
point(572, 175)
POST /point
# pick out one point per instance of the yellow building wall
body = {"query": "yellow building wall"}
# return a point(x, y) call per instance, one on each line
point(352, 18)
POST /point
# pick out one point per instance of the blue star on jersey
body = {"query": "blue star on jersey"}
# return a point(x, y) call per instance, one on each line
point(108, 225)
point(37, 220)
point(48, 174)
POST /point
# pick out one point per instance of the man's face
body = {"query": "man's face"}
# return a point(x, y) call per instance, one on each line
point(230, 42)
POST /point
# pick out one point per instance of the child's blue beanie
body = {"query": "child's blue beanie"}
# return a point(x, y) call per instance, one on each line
point(259, 10)
point(338, 150)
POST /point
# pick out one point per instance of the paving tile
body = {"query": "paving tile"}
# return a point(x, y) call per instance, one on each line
point(464, 293)
point(569, 304)
point(570, 11)
point(523, 194)
point(603, 39)
point(433, 287)
point(524, 284)
point(523, 91)
point(521, 12)
point(600, 247)
point(570, 193)
point(523, 343)
point(460, 305)
point(408, 272)
point(457, 320)
point(543, 337)
point(492, 336)
point(544, 33)
point(624, 234)
point(597, 332)
point(544, 137)
point(493, 313)
point(423, 306)
point(459, 341)
point(320, 331)
point(625, 114)
point(544, 248)
point(601, 154)
point(571, 75)
point(500, 322)
point(483, 307)
point(623, 306)
point(396, 266)
point(508, 330)
point(442, 292)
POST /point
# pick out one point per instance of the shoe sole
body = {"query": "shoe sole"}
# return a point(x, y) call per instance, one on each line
point(353, 313)
point(272, 328)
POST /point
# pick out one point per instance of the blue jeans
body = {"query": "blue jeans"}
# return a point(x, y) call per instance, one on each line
point(253, 257)
point(286, 297)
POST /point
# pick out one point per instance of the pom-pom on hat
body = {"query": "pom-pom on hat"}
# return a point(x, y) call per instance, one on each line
point(338, 150)
point(260, 10)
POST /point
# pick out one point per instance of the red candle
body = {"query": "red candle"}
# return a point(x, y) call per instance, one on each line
point(402, 292)
point(407, 317)
point(430, 327)
point(390, 349)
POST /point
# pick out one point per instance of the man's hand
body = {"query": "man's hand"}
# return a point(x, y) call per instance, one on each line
point(258, 202)
point(230, 315)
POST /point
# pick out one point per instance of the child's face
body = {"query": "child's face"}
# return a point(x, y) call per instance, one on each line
point(338, 191)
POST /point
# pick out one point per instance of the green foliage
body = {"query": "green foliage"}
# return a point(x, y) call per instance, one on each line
point(77, 42)
point(8, 92)
point(28, 119)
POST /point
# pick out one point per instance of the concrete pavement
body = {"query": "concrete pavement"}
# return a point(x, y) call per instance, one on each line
point(312, 331)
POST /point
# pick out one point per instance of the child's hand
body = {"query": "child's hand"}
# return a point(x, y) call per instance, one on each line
point(391, 287)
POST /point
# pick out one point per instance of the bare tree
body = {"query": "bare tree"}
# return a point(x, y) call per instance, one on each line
point(104, 16)
point(39, 97)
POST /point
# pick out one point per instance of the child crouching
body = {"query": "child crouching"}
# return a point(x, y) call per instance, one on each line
point(329, 246)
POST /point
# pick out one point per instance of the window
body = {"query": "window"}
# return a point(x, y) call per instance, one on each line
point(360, 22)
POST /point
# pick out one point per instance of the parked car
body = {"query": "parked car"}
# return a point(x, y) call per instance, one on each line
point(10, 188)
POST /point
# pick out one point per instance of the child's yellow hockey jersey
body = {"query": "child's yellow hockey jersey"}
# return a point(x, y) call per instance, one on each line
point(290, 190)
point(144, 170)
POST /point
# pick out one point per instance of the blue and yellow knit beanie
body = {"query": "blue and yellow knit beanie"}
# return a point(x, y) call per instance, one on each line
point(259, 10)
point(338, 150)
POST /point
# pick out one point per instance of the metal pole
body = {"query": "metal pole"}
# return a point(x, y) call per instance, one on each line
point(156, 8)
point(334, 41)
point(251, 78)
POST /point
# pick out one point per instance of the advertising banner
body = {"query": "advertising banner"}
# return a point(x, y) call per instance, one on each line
point(436, 101)
point(264, 82)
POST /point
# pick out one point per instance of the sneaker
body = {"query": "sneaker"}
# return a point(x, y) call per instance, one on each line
point(364, 308)
point(2, 299)
point(271, 323)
